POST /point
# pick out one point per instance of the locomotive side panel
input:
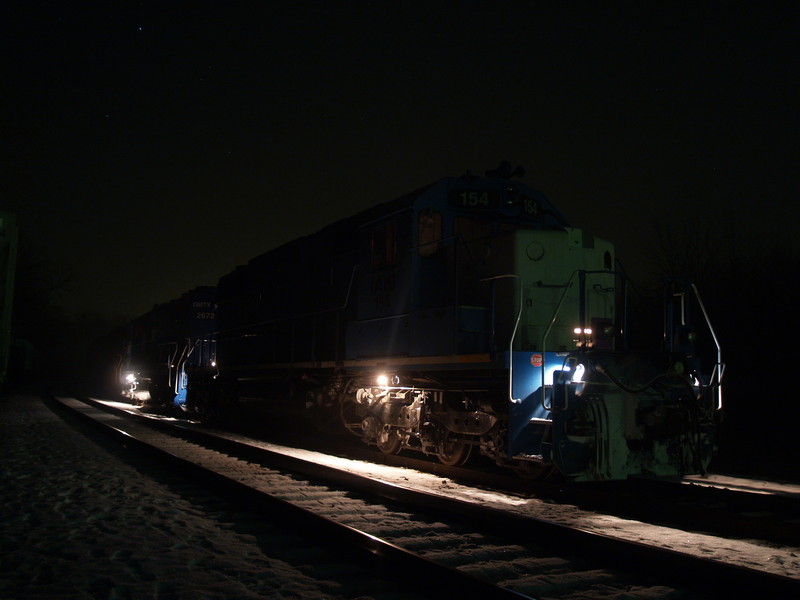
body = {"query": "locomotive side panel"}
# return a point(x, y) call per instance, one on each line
point(381, 327)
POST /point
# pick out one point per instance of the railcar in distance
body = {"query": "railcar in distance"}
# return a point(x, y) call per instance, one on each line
point(467, 317)
point(166, 345)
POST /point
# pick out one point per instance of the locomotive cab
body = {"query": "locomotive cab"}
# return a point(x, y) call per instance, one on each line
point(500, 329)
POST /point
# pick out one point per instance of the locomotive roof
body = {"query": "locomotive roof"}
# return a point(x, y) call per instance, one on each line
point(349, 225)
point(201, 292)
point(556, 219)
point(341, 232)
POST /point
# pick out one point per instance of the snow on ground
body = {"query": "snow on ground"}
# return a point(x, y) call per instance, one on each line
point(78, 522)
point(753, 554)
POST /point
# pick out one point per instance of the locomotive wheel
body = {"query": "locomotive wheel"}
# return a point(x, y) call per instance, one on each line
point(389, 440)
point(454, 453)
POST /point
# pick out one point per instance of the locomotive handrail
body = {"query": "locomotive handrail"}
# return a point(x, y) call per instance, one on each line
point(719, 367)
point(567, 286)
point(177, 366)
point(188, 350)
point(513, 336)
point(171, 361)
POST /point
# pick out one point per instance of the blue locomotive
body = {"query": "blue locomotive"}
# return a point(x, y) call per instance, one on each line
point(467, 317)
point(166, 344)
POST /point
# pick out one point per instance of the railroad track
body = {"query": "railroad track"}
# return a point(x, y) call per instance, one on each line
point(715, 505)
point(723, 506)
point(709, 507)
point(419, 537)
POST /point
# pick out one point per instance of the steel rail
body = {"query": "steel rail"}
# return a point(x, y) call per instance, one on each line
point(714, 577)
point(390, 560)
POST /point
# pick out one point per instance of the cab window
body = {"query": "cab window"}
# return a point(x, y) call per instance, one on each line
point(469, 229)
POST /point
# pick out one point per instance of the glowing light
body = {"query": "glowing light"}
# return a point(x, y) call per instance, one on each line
point(578, 375)
point(130, 378)
point(549, 374)
point(383, 380)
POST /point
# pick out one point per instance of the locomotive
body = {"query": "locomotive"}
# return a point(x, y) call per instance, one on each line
point(165, 344)
point(465, 318)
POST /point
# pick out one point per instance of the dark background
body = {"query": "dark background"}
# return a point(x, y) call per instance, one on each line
point(150, 147)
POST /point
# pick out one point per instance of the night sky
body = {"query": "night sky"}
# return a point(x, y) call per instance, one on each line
point(152, 147)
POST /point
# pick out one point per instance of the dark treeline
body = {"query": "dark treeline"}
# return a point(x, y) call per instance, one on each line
point(47, 343)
